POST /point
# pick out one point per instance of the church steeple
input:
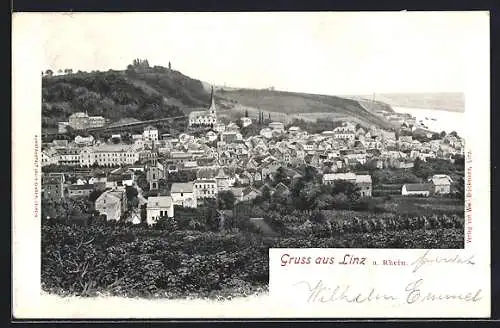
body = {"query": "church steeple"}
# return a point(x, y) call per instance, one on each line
point(212, 108)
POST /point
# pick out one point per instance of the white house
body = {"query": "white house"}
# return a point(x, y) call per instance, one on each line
point(183, 194)
point(266, 133)
point(211, 136)
point(246, 121)
point(111, 203)
point(84, 141)
point(441, 183)
point(416, 189)
point(205, 188)
point(277, 126)
point(158, 207)
point(150, 133)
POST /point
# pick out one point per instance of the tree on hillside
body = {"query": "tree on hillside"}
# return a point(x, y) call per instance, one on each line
point(226, 200)
point(347, 188)
point(461, 188)
point(310, 173)
point(49, 72)
point(246, 112)
point(131, 193)
point(280, 176)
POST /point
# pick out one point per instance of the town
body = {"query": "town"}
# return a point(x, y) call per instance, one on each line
point(161, 170)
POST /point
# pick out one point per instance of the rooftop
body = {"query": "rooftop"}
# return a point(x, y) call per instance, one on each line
point(159, 201)
point(182, 187)
point(417, 187)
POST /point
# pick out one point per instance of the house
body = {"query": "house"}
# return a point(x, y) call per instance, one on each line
point(281, 190)
point(416, 189)
point(219, 127)
point(80, 190)
point(180, 157)
point(266, 133)
point(99, 180)
point(183, 194)
point(205, 188)
point(267, 188)
point(52, 187)
point(238, 193)
point(158, 207)
point(150, 133)
point(224, 180)
point(211, 136)
point(49, 157)
point(112, 204)
point(250, 193)
point(277, 126)
point(441, 183)
point(246, 121)
point(172, 169)
point(84, 141)
point(364, 183)
point(345, 132)
point(229, 136)
point(293, 130)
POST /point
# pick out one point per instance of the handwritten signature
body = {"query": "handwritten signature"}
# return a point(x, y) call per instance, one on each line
point(427, 259)
point(414, 292)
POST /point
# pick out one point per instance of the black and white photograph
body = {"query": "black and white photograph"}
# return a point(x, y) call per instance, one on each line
point(178, 148)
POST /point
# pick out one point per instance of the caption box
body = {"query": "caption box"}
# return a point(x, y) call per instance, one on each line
point(380, 283)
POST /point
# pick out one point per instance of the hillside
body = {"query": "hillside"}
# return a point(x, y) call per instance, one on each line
point(145, 93)
point(449, 101)
point(286, 106)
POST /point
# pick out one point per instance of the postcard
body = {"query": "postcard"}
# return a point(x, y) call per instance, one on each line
point(251, 165)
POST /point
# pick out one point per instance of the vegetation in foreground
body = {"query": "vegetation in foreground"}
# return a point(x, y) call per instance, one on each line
point(103, 258)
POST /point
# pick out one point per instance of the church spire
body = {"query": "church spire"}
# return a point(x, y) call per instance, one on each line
point(212, 102)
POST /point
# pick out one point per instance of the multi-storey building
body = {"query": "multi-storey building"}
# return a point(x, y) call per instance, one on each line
point(68, 156)
point(109, 155)
point(81, 121)
point(205, 188)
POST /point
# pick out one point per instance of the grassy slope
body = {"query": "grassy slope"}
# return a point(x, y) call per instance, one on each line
point(302, 105)
point(151, 94)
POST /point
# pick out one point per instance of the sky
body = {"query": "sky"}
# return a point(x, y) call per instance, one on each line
point(324, 53)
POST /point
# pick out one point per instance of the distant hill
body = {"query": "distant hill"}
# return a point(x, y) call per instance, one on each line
point(449, 101)
point(146, 93)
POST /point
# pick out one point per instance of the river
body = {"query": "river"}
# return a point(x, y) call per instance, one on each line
point(444, 120)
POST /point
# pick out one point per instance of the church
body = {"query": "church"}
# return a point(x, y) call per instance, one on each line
point(204, 118)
